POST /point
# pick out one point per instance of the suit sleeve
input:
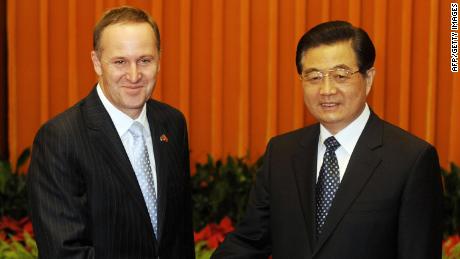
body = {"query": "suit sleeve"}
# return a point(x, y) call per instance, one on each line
point(57, 197)
point(420, 217)
point(251, 238)
point(189, 245)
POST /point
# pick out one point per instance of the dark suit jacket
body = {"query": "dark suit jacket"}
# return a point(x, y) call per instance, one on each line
point(85, 201)
point(387, 206)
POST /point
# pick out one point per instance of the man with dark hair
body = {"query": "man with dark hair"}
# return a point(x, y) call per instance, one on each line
point(351, 186)
point(109, 177)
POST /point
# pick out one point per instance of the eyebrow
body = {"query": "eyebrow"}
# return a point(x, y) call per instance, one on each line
point(334, 67)
point(116, 58)
point(127, 58)
point(342, 66)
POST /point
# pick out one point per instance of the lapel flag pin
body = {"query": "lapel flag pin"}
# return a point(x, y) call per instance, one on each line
point(163, 138)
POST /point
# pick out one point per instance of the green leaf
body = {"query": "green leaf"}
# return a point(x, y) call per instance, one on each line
point(13, 196)
point(451, 184)
point(5, 174)
point(23, 157)
point(31, 245)
point(221, 188)
point(16, 250)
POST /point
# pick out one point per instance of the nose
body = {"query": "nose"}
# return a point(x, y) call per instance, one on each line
point(133, 74)
point(327, 87)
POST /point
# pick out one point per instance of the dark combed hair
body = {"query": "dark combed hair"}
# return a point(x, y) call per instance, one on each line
point(124, 14)
point(332, 32)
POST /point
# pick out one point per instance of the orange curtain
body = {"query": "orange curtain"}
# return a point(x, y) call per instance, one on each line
point(3, 83)
point(229, 66)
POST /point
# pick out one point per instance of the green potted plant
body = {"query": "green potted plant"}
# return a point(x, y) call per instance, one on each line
point(220, 192)
point(13, 197)
point(221, 189)
point(16, 234)
point(451, 182)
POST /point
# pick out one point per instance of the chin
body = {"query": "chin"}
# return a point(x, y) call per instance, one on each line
point(135, 100)
point(134, 105)
point(329, 115)
point(330, 119)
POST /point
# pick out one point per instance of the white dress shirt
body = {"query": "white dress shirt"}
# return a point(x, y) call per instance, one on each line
point(122, 124)
point(347, 137)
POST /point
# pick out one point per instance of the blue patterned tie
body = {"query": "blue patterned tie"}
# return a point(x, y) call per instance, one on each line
point(328, 182)
point(143, 170)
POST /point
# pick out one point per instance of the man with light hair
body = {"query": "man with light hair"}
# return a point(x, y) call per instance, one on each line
point(109, 177)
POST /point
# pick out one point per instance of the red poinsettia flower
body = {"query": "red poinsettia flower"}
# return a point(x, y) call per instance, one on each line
point(450, 243)
point(214, 234)
point(10, 224)
point(203, 234)
point(226, 225)
point(11, 229)
point(26, 225)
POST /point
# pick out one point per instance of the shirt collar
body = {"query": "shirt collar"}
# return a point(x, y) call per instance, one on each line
point(348, 137)
point(122, 121)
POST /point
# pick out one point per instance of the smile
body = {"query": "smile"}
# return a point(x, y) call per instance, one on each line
point(329, 105)
point(133, 86)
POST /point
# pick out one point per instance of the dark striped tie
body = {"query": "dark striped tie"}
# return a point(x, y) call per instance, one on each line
point(328, 182)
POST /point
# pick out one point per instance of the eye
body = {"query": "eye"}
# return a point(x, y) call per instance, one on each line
point(316, 78)
point(119, 62)
point(313, 77)
point(341, 75)
point(145, 61)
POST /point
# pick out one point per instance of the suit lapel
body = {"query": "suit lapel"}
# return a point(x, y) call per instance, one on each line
point(103, 134)
point(157, 128)
point(305, 173)
point(363, 162)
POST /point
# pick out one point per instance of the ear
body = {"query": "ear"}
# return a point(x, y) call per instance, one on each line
point(159, 60)
point(96, 63)
point(370, 73)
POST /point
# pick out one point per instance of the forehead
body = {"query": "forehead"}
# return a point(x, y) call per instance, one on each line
point(329, 56)
point(121, 35)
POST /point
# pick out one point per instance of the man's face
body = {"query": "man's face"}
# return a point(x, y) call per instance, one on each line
point(333, 103)
point(127, 64)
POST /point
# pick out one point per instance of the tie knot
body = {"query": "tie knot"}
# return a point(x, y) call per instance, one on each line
point(136, 129)
point(331, 144)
